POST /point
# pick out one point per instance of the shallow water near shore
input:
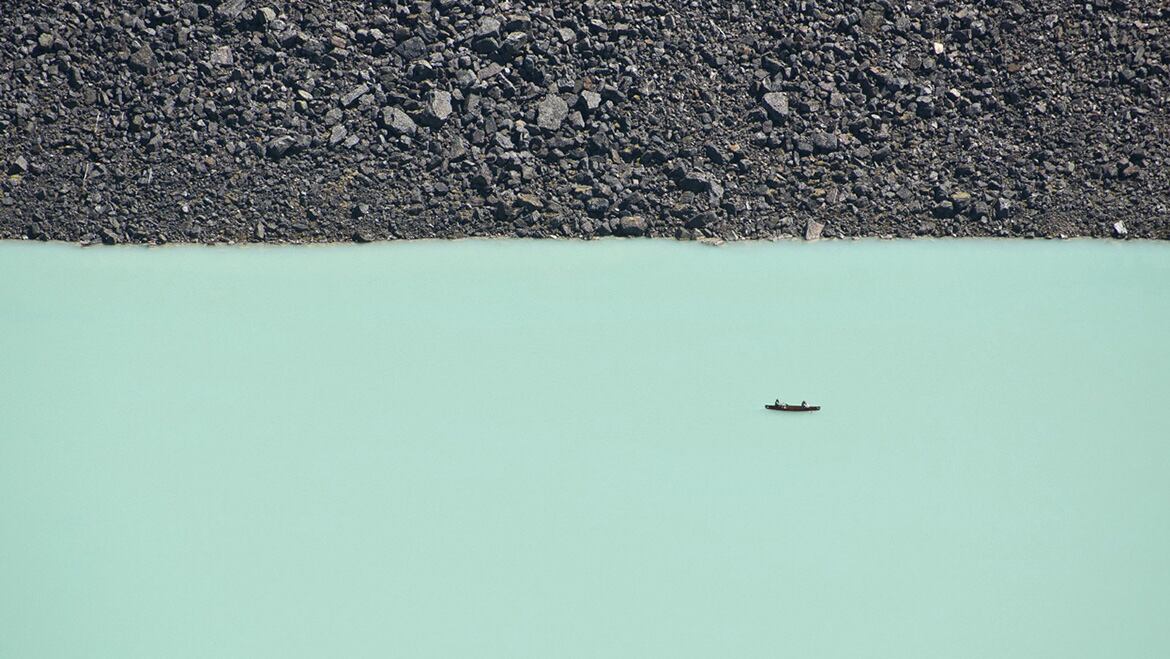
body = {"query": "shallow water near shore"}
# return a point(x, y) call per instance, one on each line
point(559, 449)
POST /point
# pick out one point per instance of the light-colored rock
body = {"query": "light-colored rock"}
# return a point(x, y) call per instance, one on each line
point(439, 106)
point(398, 121)
point(633, 225)
point(812, 230)
point(551, 112)
point(222, 56)
point(776, 103)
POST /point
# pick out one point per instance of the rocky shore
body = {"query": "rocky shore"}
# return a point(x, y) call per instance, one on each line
point(241, 120)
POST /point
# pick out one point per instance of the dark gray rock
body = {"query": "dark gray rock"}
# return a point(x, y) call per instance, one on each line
point(412, 48)
point(488, 27)
point(292, 38)
point(597, 206)
point(613, 94)
point(700, 220)
point(454, 118)
point(514, 44)
point(398, 122)
point(264, 16)
point(280, 147)
point(701, 182)
point(1003, 208)
point(943, 209)
point(776, 105)
point(824, 142)
point(143, 60)
point(504, 141)
point(353, 96)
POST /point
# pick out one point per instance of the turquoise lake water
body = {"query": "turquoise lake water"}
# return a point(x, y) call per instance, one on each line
point(558, 449)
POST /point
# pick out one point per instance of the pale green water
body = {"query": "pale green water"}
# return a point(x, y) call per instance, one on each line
point(539, 449)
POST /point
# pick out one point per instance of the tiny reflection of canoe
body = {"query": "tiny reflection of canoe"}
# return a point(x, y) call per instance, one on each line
point(793, 408)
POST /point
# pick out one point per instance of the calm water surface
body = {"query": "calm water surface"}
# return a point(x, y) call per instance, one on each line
point(555, 449)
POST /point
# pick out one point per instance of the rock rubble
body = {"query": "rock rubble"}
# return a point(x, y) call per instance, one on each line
point(267, 120)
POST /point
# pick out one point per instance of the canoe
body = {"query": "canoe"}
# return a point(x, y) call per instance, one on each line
point(793, 408)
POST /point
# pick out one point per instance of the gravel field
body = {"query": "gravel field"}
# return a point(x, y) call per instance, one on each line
point(241, 121)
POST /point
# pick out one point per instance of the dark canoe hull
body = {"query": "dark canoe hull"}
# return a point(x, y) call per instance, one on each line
point(793, 408)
